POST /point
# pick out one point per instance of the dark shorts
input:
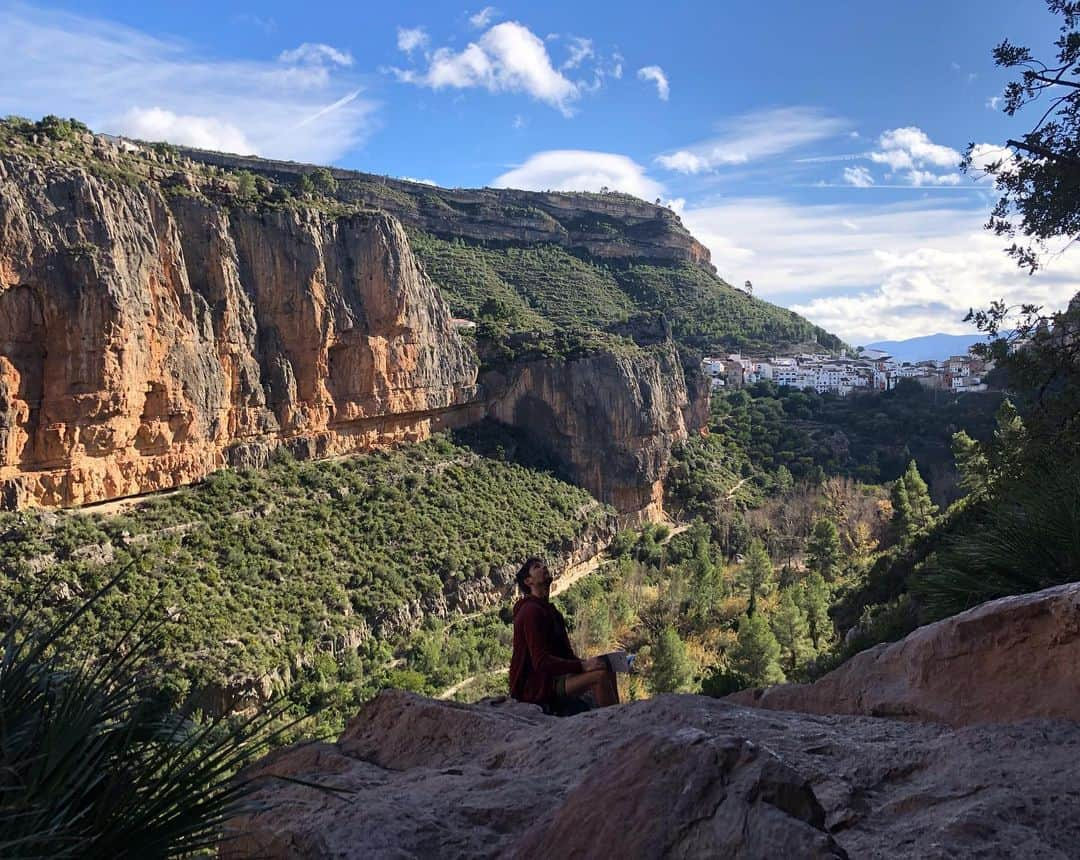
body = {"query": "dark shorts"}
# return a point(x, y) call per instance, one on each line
point(567, 706)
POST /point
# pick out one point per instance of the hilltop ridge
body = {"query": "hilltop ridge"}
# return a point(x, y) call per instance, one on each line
point(608, 225)
point(556, 259)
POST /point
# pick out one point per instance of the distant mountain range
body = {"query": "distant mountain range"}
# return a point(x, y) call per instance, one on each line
point(927, 347)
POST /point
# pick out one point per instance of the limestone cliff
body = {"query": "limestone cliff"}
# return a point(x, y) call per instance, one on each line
point(147, 339)
point(157, 323)
point(610, 418)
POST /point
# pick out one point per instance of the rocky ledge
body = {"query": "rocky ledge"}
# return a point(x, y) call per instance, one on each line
point(972, 769)
point(675, 776)
point(1008, 659)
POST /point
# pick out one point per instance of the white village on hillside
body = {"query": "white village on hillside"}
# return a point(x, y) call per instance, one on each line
point(868, 370)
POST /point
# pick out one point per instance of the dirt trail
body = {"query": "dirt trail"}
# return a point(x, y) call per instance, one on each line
point(575, 573)
point(731, 493)
point(117, 506)
point(450, 691)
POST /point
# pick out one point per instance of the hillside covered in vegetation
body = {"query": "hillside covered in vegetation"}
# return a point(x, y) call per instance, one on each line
point(307, 578)
point(545, 287)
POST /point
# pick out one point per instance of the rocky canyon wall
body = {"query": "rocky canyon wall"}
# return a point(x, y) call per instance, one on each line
point(610, 418)
point(156, 325)
point(146, 340)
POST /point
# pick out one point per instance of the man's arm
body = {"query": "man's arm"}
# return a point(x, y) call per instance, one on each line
point(531, 620)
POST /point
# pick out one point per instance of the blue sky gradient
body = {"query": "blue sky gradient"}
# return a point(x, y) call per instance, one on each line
point(813, 147)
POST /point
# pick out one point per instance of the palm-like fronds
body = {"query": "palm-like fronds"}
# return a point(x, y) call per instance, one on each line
point(1027, 539)
point(91, 766)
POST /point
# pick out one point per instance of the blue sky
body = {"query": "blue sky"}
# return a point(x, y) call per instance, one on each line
point(812, 147)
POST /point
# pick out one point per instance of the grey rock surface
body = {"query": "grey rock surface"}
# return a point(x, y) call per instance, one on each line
point(675, 776)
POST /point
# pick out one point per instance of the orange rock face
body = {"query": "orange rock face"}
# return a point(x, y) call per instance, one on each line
point(146, 341)
point(1010, 659)
point(149, 337)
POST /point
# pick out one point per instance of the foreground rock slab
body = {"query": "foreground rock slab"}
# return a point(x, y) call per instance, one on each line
point(1005, 660)
point(675, 776)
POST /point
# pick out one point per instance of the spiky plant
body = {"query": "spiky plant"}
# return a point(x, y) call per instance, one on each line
point(1027, 539)
point(92, 766)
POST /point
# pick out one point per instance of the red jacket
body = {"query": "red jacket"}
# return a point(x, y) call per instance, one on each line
point(542, 651)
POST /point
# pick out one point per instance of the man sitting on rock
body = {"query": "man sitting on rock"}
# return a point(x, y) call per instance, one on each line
point(543, 668)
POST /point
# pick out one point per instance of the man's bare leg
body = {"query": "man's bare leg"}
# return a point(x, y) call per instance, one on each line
point(600, 682)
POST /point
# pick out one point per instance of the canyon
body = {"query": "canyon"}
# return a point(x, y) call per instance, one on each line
point(154, 330)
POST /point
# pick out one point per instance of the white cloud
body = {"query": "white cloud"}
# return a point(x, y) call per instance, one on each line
point(860, 177)
point(925, 177)
point(316, 52)
point(986, 154)
point(420, 181)
point(485, 16)
point(616, 69)
point(994, 102)
point(581, 49)
point(200, 131)
point(754, 136)
point(519, 121)
point(507, 58)
point(869, 271)
point(911, 147)
point(656, 74)
point(581, 170)
point(410, 39)
point(303, 106)
point(908, 152)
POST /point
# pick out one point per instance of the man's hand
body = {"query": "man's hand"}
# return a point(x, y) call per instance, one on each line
point(594, 663)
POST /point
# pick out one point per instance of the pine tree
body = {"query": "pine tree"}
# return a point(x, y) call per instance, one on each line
point(901, 518)
point(707, 583)
point(823, 554)
point(814, 597)
point(785, 483)
point(756, 654)
point(756, 575)
point(922, 507)
point(672, 671)
point(913, 510)
point(792, 631)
